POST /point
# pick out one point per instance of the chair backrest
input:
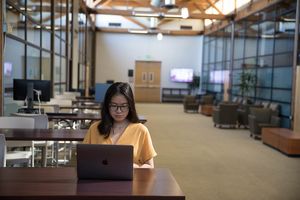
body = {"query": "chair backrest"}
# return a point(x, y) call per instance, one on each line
point(275, 107)
point(189, 98)
point(60, 102)
point(16, 122)
point(265, 104)
point(72, 95)
point(2, 150)
point(50, 108)
point(208, 99)
point(262, 114)
point(229, 109)
point(40, 120)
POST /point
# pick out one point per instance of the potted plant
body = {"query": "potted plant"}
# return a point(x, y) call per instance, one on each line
point(247, 83)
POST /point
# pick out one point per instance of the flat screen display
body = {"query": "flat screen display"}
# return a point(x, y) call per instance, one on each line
point(183, 75)
point(20, 89)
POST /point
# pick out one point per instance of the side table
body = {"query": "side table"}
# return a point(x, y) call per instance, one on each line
point(207, 110)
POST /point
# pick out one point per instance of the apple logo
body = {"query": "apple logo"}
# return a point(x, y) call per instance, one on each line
point(105, 162)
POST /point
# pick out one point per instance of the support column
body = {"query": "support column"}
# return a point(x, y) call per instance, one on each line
point(75, 45)
point(2, 7)
point(295, 115)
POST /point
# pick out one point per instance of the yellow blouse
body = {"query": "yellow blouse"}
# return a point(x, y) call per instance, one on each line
point(136, 134)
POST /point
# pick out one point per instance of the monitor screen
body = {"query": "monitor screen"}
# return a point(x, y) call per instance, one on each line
point(184, 75)
point(20, 89)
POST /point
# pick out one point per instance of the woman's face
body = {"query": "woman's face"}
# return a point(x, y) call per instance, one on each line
point(118, 108)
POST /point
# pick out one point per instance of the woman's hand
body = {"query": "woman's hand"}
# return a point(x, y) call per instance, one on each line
point(147, 164)
point(136, 165)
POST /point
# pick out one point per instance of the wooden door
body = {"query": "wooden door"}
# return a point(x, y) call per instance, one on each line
point(147, 81)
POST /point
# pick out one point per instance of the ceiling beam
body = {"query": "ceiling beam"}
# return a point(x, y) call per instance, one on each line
point(105, 2)
point(199, 8)
point(96, 3)
point(165, 32)
point(247, 11)
point(214, 6)
point(130, 13)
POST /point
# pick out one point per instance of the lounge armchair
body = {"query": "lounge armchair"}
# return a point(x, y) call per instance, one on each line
point(259, 118)
point(190, 103)
point(225, 114)
point(243, 112)
point(207, 100)
point(206, 103)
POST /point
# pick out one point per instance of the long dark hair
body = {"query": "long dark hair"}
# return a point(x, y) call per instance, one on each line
point(107, 121)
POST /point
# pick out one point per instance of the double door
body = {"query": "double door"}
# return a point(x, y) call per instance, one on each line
point(147, 81)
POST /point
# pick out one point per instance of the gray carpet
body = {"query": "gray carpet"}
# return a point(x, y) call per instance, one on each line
point(211, 163)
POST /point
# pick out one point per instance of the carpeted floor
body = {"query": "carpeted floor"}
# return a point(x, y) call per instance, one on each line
point(211, 163)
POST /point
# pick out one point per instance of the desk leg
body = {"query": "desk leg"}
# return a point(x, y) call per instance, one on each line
point(56, 152)
point(44, 155)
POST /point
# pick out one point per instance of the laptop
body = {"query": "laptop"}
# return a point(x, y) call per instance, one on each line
point(103, 161)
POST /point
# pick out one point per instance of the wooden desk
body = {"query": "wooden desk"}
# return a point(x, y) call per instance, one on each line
point(84, 116)
point(44, 134)
point(85, 98)
point(82, 107)
point(79, 116)
point(79, 102)
point(62, 184)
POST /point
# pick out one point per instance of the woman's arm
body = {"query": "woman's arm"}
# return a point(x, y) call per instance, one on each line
point(147, 164)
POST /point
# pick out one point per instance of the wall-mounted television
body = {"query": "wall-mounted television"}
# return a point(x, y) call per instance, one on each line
point(182, 75)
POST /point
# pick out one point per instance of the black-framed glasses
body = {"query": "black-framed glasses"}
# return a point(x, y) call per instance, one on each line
point(115, 107)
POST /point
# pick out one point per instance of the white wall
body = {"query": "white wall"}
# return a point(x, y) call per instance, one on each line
point(116, 53)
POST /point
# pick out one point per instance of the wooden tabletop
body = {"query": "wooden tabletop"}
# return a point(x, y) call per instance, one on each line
point(78, 116)
point(90, 107)
point(62, 183)
point(85, 97)
point(44, 134)
point(84, 116)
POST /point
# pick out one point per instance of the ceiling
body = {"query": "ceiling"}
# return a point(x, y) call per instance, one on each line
point(166, 15)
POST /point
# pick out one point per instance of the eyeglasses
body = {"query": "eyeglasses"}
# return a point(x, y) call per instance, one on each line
point(115, 107)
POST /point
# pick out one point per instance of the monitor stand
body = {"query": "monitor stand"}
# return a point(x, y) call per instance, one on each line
point(29, 102)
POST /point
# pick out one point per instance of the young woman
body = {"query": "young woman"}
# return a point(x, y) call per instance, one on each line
point(120, 125)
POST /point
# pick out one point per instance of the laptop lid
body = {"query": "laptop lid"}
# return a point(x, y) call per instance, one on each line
point(102, 161)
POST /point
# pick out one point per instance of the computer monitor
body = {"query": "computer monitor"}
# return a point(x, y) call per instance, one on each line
point(29, 90)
